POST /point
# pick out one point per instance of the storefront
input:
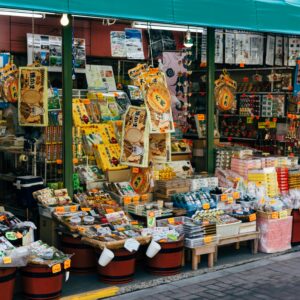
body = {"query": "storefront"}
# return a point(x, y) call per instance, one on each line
point(140, 138)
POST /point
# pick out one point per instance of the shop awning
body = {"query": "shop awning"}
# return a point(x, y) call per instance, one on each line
point(258, 15)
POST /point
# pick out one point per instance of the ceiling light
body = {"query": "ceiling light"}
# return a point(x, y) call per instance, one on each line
point(188, 41)
point(21, 13)
point(170, 27)
point(64, 21)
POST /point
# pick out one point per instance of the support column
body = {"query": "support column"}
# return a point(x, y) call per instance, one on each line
point(67, 106)
point(210, 108)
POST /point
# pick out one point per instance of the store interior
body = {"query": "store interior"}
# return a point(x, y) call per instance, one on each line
point(174, 151)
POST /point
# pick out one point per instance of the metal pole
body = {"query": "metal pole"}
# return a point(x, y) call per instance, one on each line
point(210, 98)
point(67, 106)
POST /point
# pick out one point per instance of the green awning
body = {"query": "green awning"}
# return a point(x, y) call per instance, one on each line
point(258, 15)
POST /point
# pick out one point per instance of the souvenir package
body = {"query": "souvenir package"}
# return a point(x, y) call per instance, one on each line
point(160, 147)
point(9, 83)
point(169, 170)
point(92, 111)
point(33, 96)
point(225, 88)
point(90, 137)
point(89, 173)
point(135, 143)
point(108, 157)
point(141, 180)
point(158, 100)
point(117, 127)
point(80, 115)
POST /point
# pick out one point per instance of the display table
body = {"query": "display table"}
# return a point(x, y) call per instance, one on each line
point(196, 255)
point(236, 239)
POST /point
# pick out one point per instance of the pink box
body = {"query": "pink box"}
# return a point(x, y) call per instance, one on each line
point(275, 234)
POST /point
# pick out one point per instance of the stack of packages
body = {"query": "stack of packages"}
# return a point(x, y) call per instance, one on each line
point(242, 166)
point(283, 180)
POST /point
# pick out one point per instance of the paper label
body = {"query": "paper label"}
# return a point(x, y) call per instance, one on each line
point(145, 197)
point(224, 197)
point(206, 206)
point(60, 209)
point(135, 170)
point(275, 215)
point(283, 214)
point(136, 198)
point(7, 260)
point(207, 239)
point(85, 209)
point(127, 200)
point(109, 210)
point(252, 218)
point(236, 195)
point(67, 264)
point(73, 208)
point(201, 117)
point(230, 200)
point(171, 221)
point(56, 268)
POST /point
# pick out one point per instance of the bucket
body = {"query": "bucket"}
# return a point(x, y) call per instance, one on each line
point(84, 259)
point(105, 257)
point(121, 268)
point(7, 283)
point(168, 260)
point(40, 283)
point(153, 249)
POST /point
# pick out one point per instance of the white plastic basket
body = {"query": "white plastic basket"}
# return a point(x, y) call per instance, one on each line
point(203, 241)
point(228, 229)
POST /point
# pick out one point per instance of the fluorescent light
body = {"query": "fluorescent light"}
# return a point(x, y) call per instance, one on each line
point(170, 27)
point(20, 13)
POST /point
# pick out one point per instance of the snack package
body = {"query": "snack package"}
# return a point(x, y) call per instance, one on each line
point(135, 143)
point(33, 96)
point(160, 147)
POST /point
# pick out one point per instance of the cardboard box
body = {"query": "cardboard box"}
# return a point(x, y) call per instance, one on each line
point(48, 232)
point(118, 175)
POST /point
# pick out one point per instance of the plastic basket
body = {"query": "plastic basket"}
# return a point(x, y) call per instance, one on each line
point(198, 242)
point(228, 229)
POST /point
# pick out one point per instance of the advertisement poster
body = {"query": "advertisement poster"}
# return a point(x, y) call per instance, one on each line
point(278, 50)
point(100, 78)
point(256, 49)
point(270, 51)
point(242, 48)
point(134, 43)
point(229, 47)
point(47, 50)
point(118, 43)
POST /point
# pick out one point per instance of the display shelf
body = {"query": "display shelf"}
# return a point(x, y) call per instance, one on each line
point(237, 138)
point(255, 69)
point(264, 93)
point(242, 116)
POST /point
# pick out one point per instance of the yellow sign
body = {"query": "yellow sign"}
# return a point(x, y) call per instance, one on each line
point(206, 206)
point(236, 195)
point(127, 200)
point(224, 197)
point(59, 209)
point(275, 215)
point(171, 221)
point(201, 117)
point(85, 209)
point(252, 218)
point(73, 208)
point(207, 239)
point(136, 198)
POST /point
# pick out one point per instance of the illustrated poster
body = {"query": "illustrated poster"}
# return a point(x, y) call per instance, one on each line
point(118, 43)
point(134, 43)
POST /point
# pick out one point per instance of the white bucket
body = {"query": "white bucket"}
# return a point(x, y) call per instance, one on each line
point(105, 257)
point(153, 249)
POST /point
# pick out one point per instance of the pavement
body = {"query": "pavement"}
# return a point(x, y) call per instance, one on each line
point(274, 277)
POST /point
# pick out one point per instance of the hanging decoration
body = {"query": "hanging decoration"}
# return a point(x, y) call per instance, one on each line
point(225, 88)
point(33, 96)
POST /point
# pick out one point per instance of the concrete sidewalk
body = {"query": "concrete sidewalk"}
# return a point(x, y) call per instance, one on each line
point(270, 278)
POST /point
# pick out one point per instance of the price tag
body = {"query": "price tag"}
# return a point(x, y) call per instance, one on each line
point(206, 206)
point(145, 197)
point(201, 117)
point(275, 215)
point(2, 218)
point(59, 209)
point(283, 214)
point(207, 239)
point(59, 161)
point(134, 223)
point(236, 195)
point(87, 209)
point(252, 218)
point(67, 264)
point(56, 268)
point(19, 235)
point(136, 198)
point(127, 200)
point(7, 260)
point(135, 170)
point(230, 200)
point(109, 210)
point(73, 208)
point(81, 229)
point(171, 221)
point(224, 197)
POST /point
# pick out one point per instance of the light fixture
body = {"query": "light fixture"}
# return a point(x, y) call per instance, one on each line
point(21, 13)
point(170, 27)
point(64, 21)
point(188, 41)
